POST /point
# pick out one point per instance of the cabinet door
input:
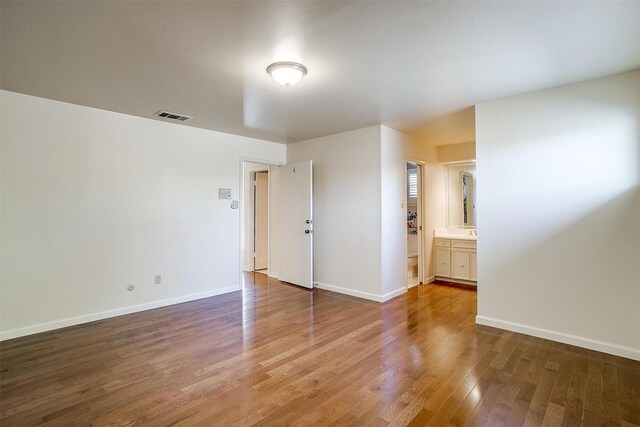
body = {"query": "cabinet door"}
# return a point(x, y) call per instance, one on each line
point(461, 264)
point(443, 262)
point(473, 266)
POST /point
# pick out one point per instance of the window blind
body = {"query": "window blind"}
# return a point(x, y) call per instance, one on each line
point(413, 183)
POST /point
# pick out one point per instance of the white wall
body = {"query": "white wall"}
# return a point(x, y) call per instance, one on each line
point(558, 209)
point(393, 167)
point(93, 201)
point(347, 219)
point(360, 224)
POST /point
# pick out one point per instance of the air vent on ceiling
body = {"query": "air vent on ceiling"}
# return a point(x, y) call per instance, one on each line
point(172, 116)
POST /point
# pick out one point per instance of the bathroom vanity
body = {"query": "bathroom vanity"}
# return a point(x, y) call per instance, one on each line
point(456, 258)
point(455, 247)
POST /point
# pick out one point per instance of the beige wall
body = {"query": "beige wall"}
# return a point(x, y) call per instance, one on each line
point(457, 152)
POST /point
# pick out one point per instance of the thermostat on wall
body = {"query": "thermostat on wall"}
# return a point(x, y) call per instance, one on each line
point(224, 193)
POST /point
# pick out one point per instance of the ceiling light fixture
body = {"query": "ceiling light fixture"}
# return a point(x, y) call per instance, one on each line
point(287, 73)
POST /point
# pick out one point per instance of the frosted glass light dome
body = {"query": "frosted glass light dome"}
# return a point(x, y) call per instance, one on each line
point(287, 73)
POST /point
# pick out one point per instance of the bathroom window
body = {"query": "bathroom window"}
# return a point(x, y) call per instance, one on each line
point(413, 183)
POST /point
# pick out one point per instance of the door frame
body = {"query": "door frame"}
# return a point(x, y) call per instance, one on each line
point(241, 207)
point(253, 212)
point(421, 215)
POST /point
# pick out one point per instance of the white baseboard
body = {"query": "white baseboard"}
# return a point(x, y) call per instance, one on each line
point(393, 294)
point(617, 350)
point(273, 275)
point(360, 294)
point(347, 291)
point(57, 324)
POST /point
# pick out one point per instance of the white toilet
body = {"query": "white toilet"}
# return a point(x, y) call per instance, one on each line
point(412, 256)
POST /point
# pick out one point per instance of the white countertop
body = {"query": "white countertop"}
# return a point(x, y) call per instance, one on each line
point(456, 236)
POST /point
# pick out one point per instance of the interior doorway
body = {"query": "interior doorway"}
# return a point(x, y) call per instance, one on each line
point(255, 210)
point(260, 221)
point(277, 221)
point(414, 211)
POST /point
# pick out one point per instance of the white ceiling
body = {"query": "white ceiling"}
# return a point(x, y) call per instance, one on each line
point(414, 66)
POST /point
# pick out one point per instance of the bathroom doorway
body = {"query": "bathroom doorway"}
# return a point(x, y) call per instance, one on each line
point(414, 211)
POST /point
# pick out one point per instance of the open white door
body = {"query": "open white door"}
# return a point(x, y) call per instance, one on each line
point(294, 215)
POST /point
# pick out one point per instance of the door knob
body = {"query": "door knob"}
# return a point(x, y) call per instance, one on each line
point(307, 231)
point(308, 221)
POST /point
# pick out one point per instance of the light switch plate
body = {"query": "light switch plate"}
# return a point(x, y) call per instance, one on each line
point(224, 193)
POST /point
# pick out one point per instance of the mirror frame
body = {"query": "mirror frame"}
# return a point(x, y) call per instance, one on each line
point(448, 167)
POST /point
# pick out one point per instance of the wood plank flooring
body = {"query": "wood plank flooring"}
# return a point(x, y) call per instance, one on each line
point(278, 355)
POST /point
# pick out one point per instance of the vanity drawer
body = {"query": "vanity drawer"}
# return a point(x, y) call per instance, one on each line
point(465, 244)
point(443, 243)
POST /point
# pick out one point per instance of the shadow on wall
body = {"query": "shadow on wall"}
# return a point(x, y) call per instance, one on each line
point(555, 175)
point(582, 258)
point(559, 205)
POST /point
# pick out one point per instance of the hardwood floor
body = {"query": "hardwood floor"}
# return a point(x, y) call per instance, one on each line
point(279, 355)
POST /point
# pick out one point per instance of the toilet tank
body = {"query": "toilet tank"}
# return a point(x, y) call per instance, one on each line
point(412, 246)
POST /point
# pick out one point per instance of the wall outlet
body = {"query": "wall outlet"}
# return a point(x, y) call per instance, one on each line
point(131, 287)
point(158, 279)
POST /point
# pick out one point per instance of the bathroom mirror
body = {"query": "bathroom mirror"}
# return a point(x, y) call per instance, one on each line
point(461, 200)
point(467, 199)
